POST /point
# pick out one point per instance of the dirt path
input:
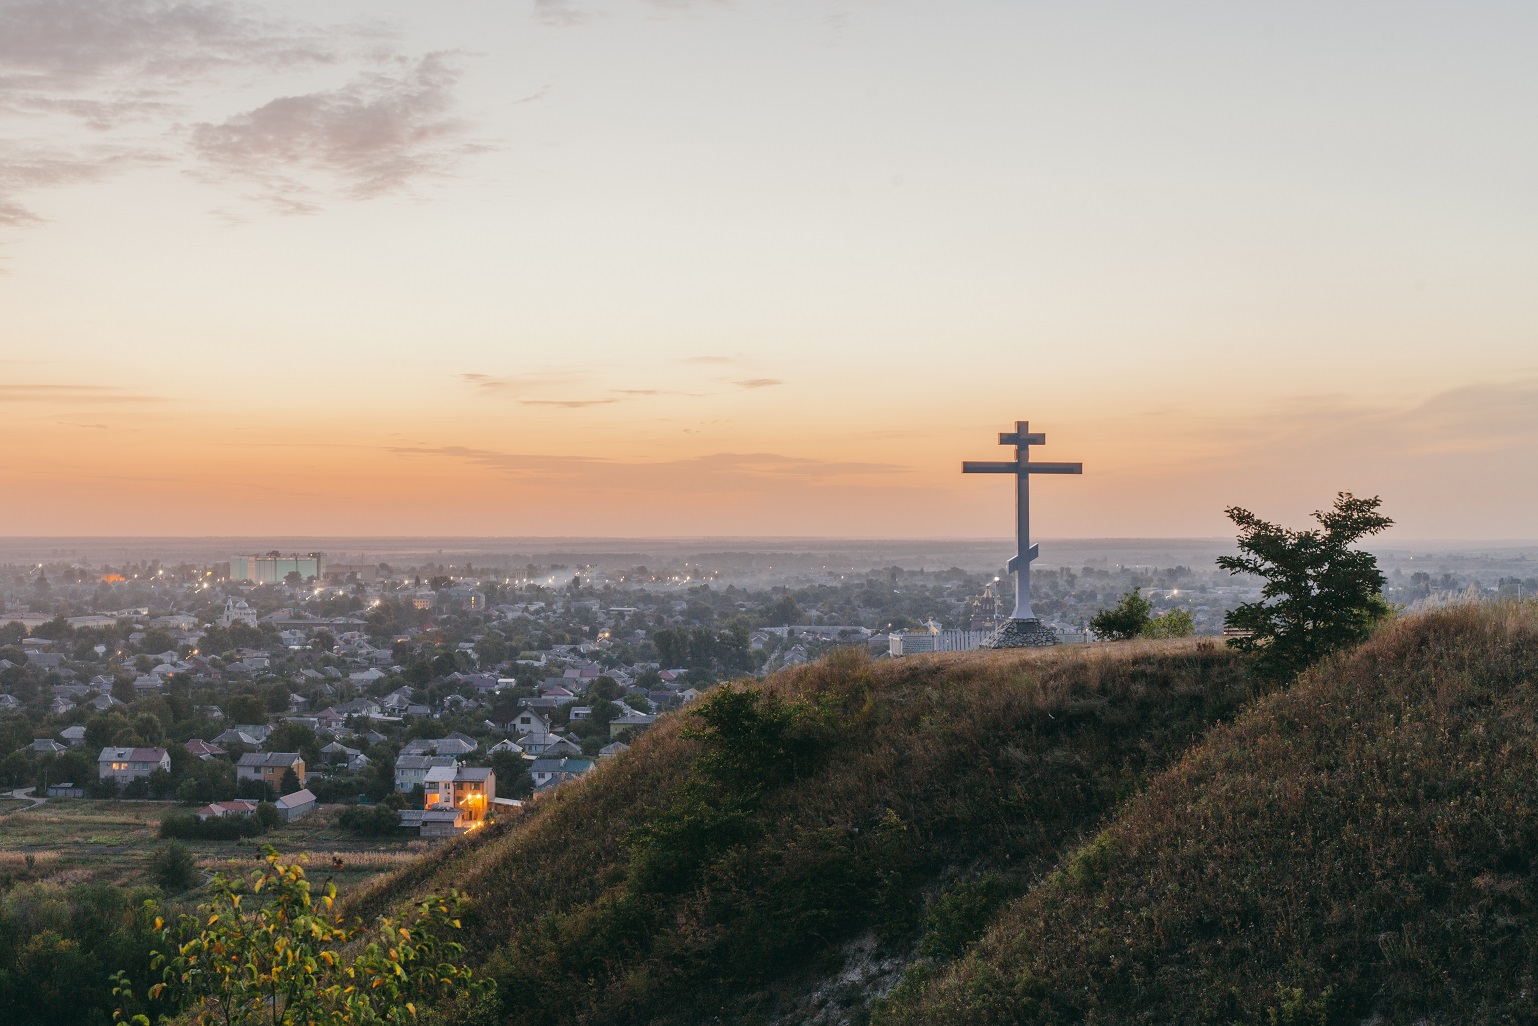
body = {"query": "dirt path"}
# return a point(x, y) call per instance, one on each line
point(26, 794)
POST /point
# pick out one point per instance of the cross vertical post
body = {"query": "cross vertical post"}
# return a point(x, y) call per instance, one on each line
point(1022, 467)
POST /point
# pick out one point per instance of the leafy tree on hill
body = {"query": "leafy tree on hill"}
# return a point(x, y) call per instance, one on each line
point(1319, 594)
point(1174, 623)
point(1127, 619)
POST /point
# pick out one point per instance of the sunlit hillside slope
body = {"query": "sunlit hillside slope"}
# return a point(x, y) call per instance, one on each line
point(1359, 848)
point(781, 853)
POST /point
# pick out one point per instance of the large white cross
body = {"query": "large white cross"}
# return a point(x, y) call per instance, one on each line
point(1022, 467)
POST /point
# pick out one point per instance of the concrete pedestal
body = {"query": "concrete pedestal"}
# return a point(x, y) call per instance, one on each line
point(1022, 634)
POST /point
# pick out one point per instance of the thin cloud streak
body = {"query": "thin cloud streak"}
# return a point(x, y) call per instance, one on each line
point(76, 394)
point(758, 382)
point(24, 168)
point(717, 472)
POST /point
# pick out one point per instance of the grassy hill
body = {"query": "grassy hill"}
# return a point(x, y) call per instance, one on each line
point(782, 852)
point(1357, 848)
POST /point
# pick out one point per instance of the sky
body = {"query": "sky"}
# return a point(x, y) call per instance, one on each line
point(741, 267)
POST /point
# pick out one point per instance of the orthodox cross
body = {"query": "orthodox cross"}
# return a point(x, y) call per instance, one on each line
point(1022, 467)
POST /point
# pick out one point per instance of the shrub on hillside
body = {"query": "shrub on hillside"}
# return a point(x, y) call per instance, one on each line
point(1320, 595)
point(1125, 620)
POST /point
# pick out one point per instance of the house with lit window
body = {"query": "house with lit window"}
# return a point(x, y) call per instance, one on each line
point(470, 789)
point(125, 764)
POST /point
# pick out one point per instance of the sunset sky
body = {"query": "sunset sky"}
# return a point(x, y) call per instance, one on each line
point(747, 267)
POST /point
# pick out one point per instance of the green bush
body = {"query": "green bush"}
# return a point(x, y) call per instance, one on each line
point(188, 827)
point(370, 820)
point(958, 914)
point(1128, 619)
point(173, 868)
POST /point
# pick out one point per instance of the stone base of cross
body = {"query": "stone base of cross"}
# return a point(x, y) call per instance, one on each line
point(1022, 629)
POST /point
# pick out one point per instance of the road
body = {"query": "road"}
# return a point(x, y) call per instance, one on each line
point(25, 794)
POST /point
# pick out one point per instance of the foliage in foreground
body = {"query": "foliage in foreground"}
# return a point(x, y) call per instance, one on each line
point(1320, 594)
point(1361, 847)
point(283, 958)
point(60, 944)
point(739, 846)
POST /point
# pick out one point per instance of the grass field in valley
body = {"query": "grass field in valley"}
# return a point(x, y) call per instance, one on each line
point(81, 841)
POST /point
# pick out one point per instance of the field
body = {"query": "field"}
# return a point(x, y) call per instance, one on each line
point(78, 841)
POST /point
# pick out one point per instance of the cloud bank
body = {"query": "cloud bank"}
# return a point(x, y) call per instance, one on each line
point(377, 134)
point(116, 77)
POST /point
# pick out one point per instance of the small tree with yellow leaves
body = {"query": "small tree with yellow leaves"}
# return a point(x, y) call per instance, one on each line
point(276, 956)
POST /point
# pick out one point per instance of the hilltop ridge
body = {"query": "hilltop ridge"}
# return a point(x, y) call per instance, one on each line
point(783, 850)
point(1360, 847)
point(1137, 833)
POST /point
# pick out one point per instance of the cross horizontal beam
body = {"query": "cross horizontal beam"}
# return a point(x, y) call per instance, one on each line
point(1016, 438)
point(988, 467)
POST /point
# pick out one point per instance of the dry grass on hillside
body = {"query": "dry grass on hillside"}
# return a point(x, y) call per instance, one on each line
point(926, 772)
point(1360, 847)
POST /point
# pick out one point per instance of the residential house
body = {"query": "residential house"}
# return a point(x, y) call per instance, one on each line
point(612, 749)
point(631, 720)
point(127, 764)
point(470, 788)
point(505, 746)
point(350, 759)
point(269, 767)
point(528, 722)
point(549, 773)
point(411, 770)
point(74, 735)
point(46, 746)
point(233, 807)
point(236, 736)
point(549, 745)
point(202, 749)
